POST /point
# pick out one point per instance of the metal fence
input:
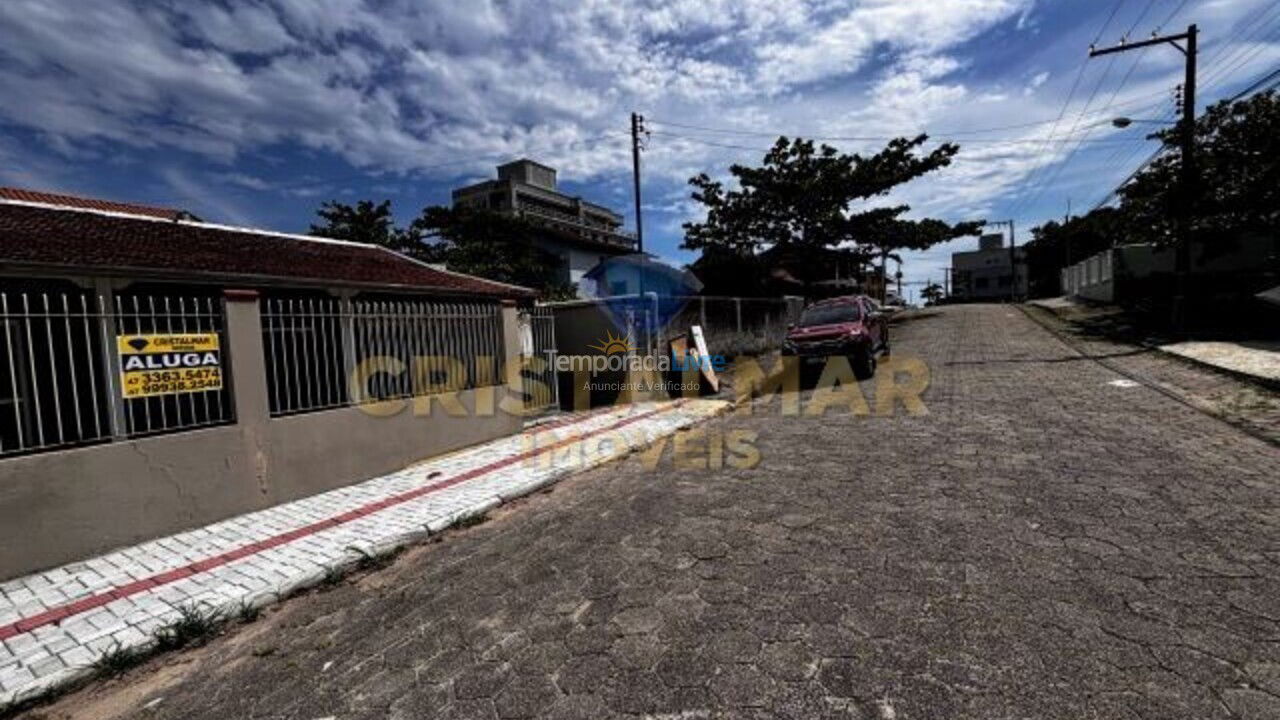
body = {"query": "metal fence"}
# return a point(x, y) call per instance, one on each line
point(150, 313)
point(735, 325)
point(544, 392)
point(324, 352)
point(60, 384)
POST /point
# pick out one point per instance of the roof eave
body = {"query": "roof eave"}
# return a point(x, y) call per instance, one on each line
point(241, 279)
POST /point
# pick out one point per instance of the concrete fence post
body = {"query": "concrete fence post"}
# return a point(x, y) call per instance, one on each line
point(512, 361)
point(248, 363)
point(104, 291)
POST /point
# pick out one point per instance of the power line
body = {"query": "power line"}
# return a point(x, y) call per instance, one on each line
point(1223, 62)
point(273, 187)
point(1256, 85)
point(1029, 199)
point(1143, 166)
point(1141, 15)
point(1075, 85)
point(987, 142)
point(1168, 18)
point(1224, 73)
point(844, 138)
point(1271, 78)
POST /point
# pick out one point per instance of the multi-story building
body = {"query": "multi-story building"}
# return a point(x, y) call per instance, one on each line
point(580, 233)
point(988, 272)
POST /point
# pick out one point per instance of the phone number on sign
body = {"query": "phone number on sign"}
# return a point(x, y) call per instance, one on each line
point(168, 382)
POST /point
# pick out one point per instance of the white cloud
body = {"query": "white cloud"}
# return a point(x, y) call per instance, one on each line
point(827, 49)
point(1036, 81)
point(415, 89)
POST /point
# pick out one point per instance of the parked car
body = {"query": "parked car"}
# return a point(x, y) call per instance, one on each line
point(852, 326)
point(889, 308)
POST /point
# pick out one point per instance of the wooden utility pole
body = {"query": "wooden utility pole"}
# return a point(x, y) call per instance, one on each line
point(637, 127)
point(1013, 265)
point(1187, 138)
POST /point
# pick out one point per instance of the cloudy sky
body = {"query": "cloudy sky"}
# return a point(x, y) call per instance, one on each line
point(252, 112)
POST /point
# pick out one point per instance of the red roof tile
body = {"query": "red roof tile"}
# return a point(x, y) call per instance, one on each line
point(89, 242)
point(35, 196)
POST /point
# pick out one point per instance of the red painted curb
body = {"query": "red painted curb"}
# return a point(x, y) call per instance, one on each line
point(61, 612)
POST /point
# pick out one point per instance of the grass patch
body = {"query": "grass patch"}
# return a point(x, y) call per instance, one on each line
point(194, 626)
point(248, 613)
point(116, 661)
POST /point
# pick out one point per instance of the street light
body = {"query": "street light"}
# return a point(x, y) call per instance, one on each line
point(1124, 122)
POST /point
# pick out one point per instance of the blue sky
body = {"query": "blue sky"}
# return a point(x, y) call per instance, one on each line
point(253, 112)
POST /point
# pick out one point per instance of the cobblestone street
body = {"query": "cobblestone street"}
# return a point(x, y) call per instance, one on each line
point(1051, 540)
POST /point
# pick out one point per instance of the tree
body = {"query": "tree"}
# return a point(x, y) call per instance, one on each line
point(1238, 193)
point(1238, 190)
point(733, 273)
point(371, 223)
point(886, 234)
point(1055, 245)
point(932, 293)
point(476, 242)
point(800, 198)
point(494, 246)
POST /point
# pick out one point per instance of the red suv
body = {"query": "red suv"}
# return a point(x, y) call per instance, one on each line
point(852, 326)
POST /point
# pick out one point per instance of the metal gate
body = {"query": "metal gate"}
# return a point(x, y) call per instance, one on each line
point(538, 346)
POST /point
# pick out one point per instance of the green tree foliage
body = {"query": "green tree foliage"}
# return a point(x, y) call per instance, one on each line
point(372, 223)
point(1055, 245)
point(476, 242)
point(799, 199)
point(1237, 147)
point(1238, 192)
point(932, 293)
point(494, 246)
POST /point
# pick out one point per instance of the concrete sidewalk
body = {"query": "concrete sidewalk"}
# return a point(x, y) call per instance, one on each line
point(56, 624)
point(1251, 360)
point(1256, 359)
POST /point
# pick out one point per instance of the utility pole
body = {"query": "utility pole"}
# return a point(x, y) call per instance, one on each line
point(1013, 265)
point(1066, 236)
point(637, 127)
point(1013, 259)
point(1182, 257)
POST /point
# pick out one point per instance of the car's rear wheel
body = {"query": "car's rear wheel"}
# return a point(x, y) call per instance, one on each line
point(863, 362)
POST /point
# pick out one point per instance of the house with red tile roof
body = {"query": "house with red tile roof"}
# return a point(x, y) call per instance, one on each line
point(75, 201)
point(159, 373)
point(41, 232)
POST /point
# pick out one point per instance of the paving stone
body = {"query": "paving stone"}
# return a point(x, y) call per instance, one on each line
point(38, 656)
point(1042, 543)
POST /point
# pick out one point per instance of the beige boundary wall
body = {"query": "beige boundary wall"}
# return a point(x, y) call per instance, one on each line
point(65, 505)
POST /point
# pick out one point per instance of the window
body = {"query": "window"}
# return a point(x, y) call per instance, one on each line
point(830, 314)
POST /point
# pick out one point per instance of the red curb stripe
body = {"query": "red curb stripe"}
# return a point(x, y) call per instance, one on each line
point(62, 612)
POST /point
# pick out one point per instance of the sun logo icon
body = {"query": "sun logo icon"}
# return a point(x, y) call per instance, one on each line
point(613, 344)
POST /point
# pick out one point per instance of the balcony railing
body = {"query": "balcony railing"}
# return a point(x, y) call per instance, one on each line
point(620, 238)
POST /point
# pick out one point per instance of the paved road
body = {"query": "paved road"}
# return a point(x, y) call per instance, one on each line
point(1044, 543)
